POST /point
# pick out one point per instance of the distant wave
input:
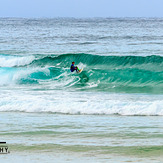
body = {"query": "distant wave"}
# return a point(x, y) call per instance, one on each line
point(134, 74)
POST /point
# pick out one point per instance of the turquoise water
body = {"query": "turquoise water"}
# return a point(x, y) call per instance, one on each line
point(111, 112)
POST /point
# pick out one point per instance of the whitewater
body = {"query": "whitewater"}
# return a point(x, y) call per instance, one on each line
point(112, 110)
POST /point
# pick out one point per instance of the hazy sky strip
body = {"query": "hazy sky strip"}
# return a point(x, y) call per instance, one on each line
point(81, 8)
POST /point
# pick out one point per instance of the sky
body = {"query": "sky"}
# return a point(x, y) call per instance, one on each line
point(81, 8)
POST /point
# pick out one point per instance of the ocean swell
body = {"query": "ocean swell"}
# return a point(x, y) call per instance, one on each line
point(131, 74)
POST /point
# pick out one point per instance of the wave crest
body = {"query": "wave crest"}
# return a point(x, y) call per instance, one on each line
point(101, 73)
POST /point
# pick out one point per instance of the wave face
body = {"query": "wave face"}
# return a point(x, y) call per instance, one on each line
point(129, 74)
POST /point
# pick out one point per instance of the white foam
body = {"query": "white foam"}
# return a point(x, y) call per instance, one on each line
point(12, 76)
point(11, 61)
point(80, 103)
point(81, 65)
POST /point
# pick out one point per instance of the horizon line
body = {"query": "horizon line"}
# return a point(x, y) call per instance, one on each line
point(111, 17)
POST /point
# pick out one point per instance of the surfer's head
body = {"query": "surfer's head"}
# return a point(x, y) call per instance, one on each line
point(73, 63)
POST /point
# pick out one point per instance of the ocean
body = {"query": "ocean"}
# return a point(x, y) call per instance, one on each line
point(110, 112)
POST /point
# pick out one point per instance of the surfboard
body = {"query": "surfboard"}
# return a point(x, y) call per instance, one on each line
point(80, 70)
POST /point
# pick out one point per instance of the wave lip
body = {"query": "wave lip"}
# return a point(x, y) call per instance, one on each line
point(11, 60)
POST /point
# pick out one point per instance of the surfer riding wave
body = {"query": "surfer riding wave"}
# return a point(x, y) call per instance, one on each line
point(73, 68)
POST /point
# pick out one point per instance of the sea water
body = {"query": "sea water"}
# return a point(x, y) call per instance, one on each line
point(111, 112)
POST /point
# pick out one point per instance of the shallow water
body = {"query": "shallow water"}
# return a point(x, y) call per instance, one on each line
point(99, 138)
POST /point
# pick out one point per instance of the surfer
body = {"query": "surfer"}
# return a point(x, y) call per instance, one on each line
point(73, 68)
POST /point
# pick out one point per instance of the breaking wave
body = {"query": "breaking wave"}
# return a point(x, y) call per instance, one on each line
point(135, 74)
